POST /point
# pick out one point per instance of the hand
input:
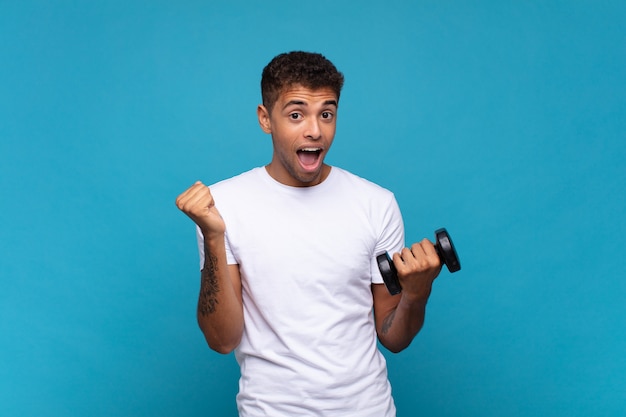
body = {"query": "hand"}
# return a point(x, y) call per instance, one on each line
point(197, 203)
point(417, 269)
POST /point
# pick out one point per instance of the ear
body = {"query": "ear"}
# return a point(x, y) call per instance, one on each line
point(264, 118)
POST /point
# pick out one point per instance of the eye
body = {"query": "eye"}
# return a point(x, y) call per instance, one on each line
point(295, 116)
point(327, 115)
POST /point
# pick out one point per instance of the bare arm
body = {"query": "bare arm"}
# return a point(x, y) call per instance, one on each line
point(400, 317)
point(220, 307)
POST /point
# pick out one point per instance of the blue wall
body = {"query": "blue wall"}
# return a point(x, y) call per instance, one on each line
point(503, 121)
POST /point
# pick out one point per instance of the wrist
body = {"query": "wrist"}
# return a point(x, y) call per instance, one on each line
point(413, 300)
point(213, 250)
point(211, 237)
point(214, 243)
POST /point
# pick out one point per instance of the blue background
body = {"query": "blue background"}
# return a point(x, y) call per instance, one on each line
point(503, 121)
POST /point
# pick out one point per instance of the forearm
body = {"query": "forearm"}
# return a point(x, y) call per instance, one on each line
point(401, 319)
point(402, 324)
point(220, 309)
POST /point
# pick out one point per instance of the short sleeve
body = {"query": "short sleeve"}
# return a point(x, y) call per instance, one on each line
point(230, 258)
point(391, 234)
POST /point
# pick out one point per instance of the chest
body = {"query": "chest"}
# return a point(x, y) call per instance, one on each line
point(298, 243)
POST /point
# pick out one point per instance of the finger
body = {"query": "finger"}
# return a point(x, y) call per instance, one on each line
point(422, 256)
point(184, 196)
point(407, 255)
point(403, 260)
point(417, 250)
point(397, 261)
point(200, 202)
point(197, 195)
point(430, 256)
point(424, 248)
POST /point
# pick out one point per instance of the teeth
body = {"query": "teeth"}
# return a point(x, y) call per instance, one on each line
point(310, 149)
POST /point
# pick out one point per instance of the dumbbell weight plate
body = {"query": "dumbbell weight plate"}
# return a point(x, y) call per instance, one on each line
point(446, 251)
point(389, 273)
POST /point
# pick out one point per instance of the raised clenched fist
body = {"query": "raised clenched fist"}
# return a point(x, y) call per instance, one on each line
point(197, 203)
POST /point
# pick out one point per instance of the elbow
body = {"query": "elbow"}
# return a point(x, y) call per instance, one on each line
point(223, 346)
point(223, 349)
point(395, 348)
point(221, 342)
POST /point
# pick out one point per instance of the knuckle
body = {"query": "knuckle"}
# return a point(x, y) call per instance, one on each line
point(423, 264)
point(433, 263)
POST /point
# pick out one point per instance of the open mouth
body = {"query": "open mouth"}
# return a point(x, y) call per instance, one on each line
point(309, 157)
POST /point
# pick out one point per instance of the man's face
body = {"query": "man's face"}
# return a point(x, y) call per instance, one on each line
point(302, 124)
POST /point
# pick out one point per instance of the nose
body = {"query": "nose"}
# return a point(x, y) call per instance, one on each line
point(313, 130)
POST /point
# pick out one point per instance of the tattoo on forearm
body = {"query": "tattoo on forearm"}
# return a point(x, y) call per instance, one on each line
point(209, 287)
point(388, 321)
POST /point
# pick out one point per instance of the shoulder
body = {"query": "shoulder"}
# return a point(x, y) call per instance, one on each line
point(248, 178)
point(356, 182)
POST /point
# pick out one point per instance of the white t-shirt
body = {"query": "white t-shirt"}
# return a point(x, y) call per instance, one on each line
point(307, 261)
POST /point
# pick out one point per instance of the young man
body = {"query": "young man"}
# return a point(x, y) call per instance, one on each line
point(289, 277)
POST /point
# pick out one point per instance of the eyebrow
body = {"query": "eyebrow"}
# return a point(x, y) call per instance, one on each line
point(302, 103)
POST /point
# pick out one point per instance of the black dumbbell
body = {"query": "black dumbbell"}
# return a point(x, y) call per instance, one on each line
point(445, 250)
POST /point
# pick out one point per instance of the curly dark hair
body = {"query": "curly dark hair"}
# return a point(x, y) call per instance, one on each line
point(308, 69)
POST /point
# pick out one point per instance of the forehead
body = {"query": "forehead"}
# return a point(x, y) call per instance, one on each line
point(299, 93)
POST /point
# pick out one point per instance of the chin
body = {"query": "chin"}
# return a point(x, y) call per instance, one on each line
point(312, 178)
